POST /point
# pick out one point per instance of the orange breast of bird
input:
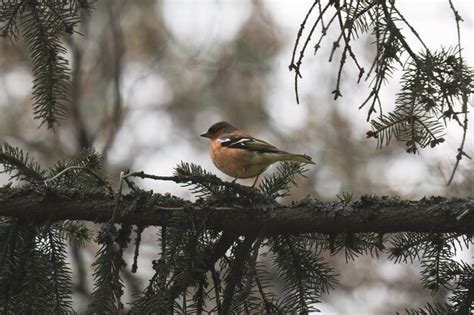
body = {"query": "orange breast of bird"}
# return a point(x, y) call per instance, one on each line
point(238, 163)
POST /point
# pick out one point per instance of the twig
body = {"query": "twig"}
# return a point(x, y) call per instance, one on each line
point(70, 168)
point(297, 66)
point(300, 33)
point(217, 288)
point(10, 28)
point(347, 48)
point(243, 190)
point(297, 274)
point(163, 241)
point(138, 240)
point(118, 198)
point(415, 118)
point(464, 99)
point(118, 50)
point(335, 45)
point(131, 185)
point(82, 136)
point(412, 29)
point(20, 167)
point(215, 252)
point(324, 33)
point(266, 302)
point(394, 30)
point(236, 270)
point(320, 12)
point(462, 215)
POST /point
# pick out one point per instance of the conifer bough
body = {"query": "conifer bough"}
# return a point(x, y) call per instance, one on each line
point(368, 214)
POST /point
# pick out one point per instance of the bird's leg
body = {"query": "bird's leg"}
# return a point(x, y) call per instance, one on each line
point(235, 179)
point(256, 178)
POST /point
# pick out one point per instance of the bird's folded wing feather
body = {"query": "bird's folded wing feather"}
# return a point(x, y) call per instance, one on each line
point(248, 143)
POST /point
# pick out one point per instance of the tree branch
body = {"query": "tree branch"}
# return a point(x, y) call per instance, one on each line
point(368, 214)
point(213, 254)
point(236, 270)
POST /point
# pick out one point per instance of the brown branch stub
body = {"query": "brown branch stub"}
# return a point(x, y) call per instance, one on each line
point(368, 214)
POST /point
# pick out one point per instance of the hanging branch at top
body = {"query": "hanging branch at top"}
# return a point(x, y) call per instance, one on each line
point(42, 23)
point(435, 86)
point(464, 99)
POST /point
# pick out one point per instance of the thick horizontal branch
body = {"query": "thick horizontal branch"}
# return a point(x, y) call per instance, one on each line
point(367, 214)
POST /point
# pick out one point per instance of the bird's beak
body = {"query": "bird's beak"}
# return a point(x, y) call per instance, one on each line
point(206, 135)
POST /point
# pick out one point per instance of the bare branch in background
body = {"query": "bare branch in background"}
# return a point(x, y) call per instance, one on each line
point(83, 139)
point(461, 154)
point(113, 9)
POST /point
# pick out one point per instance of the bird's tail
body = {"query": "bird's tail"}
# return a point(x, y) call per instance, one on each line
point(302, 158)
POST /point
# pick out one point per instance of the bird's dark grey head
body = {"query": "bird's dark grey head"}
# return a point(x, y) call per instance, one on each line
point(218, 128)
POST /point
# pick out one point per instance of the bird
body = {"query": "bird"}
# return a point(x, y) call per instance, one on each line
point(240, 155)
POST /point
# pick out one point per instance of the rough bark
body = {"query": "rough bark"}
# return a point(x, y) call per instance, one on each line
point(367, 214)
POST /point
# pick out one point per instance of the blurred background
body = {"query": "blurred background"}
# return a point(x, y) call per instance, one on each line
point(149, 76)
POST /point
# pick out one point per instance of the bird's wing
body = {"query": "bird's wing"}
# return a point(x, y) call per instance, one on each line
point(247, 143)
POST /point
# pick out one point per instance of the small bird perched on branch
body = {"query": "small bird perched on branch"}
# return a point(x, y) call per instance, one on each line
point(238, 154)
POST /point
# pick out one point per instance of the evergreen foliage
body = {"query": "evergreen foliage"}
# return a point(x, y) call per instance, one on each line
point(41, 24)
point(440, 271)
point(431, 93)
point(108, 286)
point(436, 85)
point(278, 184)
point(304, 272)
point(34, 274)
point(199, 269)
point(85, 171)
point(209, 187)
point(204, 190)
point(432, 309)
point(19, 164)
